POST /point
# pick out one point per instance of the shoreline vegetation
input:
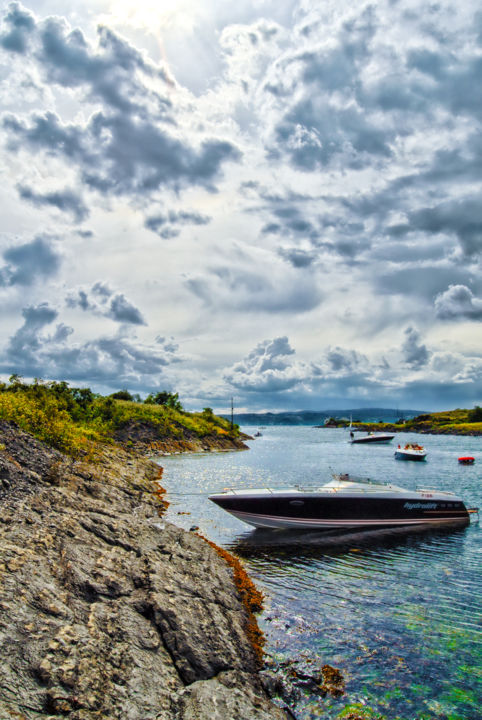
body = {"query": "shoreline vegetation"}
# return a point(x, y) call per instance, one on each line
point(107, 609)
point(76, 420)
point(448, 422)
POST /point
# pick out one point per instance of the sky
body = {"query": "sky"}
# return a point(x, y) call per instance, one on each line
point(275, 201)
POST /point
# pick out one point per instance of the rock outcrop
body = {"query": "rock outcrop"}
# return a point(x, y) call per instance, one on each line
point(147, 438)
point(107, 611)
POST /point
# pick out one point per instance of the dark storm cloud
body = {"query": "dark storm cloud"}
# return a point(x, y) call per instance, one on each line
point(341, 359)
point(461, 217)
point(414, 352)
point(121, 310)
point(101, 301)
point(29, 262)
point(167, 225)
point(20, 24)
point(64, 200)
point(458, 302)
point(298, 258)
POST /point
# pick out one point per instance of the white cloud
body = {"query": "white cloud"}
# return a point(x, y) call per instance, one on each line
point(458, 301)
point(247, 171)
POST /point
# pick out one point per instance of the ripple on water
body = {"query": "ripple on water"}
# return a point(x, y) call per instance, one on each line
point(399, 615)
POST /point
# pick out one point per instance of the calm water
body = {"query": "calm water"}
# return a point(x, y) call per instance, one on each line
point(399, 615)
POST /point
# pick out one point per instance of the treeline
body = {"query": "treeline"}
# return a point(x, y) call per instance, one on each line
point(73, 419)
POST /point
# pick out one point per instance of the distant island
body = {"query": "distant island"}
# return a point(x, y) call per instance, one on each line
point(447, 422)
point(318, 417)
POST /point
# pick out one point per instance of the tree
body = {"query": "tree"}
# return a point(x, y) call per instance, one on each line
point(122, 395)
point(475, 415)
point(168, 399)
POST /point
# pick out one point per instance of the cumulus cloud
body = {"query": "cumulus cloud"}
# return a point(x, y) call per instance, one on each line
point(116, 360)
point(25, 345)
point(334, 150)
point(132, 145)
point(102, 301)
point(19, 24)
point(29, 262)
point(266, 368)
point(344, 360)
point(123, 311)
point(169, 225)
point(64, 200)
point(414, 352)
point(458, 301)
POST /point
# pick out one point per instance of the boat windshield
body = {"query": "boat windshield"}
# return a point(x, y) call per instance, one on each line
point(345, 477)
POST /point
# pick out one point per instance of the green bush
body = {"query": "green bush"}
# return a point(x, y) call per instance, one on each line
point(70, 419)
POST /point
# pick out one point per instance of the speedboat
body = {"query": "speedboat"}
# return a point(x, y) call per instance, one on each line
point(370, 437)
point(411, 451)
point(466, 460)
point(343, 502)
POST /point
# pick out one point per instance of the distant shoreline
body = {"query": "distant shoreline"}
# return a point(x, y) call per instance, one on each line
point(433, 430)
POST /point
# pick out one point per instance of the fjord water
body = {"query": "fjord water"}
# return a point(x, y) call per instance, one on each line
point(399, 615)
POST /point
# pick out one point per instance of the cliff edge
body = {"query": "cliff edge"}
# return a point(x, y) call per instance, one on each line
point(106, 610)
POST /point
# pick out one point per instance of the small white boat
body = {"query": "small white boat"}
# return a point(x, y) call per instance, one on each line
point(411, 451)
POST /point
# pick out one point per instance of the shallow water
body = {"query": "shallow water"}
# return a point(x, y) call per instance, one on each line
point(398, 613)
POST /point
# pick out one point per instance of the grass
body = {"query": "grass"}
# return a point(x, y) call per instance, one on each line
point(456, 422)
point(74, 419)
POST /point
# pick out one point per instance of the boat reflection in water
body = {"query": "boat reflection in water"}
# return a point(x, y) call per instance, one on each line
point(345, 502)
point(254, 542)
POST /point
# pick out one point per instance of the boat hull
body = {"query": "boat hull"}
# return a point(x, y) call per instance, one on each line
point(417, 457)
point(320, 512)
point(372, 439)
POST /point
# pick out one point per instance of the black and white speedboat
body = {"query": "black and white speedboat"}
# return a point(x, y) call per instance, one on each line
point(344, 502)
point(370, 437)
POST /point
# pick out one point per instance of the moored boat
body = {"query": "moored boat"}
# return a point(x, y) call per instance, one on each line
point(411, 451)
point(370, 437)
point(344, 502)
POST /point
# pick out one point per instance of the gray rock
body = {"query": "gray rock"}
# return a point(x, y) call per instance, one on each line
point(107, 611)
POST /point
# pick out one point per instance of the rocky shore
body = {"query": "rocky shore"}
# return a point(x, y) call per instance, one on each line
point(146, 438)
point(107, 612)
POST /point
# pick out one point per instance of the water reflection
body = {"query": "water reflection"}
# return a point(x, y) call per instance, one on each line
point(397, 610)
point(260, 542)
